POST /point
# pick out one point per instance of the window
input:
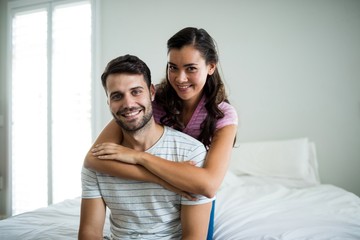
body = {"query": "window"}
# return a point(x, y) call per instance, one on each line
point(51, 116)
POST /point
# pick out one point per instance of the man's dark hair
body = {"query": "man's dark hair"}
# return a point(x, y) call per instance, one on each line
point(127, 64)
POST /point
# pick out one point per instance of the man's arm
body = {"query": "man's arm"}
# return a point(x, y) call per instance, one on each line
point(92, 219)
point(195, 221)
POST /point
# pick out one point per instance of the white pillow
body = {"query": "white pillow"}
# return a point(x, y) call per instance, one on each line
point(314, 176)
point(291, 159)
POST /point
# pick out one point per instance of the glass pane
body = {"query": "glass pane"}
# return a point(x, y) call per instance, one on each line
point(29, 111)
point(71, 97)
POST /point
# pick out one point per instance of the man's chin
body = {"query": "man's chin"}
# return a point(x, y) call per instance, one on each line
point(127, 127)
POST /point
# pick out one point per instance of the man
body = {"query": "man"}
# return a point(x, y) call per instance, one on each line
point(141, 209)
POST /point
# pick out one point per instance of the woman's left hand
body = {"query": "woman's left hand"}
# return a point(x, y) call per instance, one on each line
point(112, 151)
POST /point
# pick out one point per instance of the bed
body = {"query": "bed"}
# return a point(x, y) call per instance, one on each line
point(272, 191)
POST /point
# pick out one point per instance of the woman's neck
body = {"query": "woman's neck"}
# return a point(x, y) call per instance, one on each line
point(189, 108)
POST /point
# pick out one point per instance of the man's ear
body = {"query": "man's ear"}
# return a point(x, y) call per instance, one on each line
point(107, 97)
point(152, 92)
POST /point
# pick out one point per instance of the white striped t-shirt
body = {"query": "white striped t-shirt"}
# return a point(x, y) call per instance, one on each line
point(141, 209)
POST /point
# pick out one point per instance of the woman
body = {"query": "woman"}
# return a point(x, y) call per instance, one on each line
point(191, 99)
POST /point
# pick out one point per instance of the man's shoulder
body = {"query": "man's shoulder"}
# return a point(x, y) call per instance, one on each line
point(180, 136)
point(173, 132)
point(179, 146)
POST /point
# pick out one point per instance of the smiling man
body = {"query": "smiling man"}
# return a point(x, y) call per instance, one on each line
point(141, 209)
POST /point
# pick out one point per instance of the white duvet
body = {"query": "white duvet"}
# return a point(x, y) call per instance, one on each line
point(59, 221)
point(246, 208)
point(258, 208)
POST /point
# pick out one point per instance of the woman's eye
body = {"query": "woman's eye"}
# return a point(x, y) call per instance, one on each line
point(172, 68)
point(191, 69)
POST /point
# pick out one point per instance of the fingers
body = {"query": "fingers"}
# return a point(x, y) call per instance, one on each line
point(190, 162)
point(98, 151)
point(104, 149)
point(112, 151)
point(189, 196)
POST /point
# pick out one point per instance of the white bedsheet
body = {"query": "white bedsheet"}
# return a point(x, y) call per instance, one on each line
point(261, 209)
point(56, 222)
point(247, 208)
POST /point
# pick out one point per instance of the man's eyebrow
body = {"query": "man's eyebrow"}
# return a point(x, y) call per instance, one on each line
point(115, 92)
point(137, 87)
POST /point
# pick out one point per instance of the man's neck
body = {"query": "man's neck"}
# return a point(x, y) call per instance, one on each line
point(144, 138)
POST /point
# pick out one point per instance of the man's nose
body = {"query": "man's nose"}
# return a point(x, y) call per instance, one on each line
point(127, 100)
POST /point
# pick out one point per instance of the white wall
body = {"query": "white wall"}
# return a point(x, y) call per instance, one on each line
point(292, 68)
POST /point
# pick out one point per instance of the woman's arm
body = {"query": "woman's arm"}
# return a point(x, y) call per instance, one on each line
point(112, 133)
point(180, 175)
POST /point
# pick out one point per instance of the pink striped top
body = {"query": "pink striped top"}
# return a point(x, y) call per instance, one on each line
point(193, 127)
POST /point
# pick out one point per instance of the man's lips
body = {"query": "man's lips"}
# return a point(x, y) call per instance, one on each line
point(132, 113)
point(129, 114)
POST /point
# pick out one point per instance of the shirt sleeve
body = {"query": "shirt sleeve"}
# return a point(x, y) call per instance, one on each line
point(230, 116)
point(90, 186)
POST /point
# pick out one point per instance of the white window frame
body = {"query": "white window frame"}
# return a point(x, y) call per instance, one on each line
point(25, 5)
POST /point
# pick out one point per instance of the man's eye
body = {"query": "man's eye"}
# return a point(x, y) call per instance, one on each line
point(115, 97)
point(136, 92)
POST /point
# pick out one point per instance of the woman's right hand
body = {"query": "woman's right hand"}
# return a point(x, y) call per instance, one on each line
point(112, 151)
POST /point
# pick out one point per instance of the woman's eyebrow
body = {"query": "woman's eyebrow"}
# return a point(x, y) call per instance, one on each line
point(185, 65)
point(190, 64)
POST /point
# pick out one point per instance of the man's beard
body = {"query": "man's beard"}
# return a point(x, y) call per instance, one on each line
point(134, 128)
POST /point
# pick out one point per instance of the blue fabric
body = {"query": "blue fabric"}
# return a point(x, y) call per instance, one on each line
point(211, 223)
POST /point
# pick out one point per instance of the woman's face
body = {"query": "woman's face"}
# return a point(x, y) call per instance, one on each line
point(187, 73)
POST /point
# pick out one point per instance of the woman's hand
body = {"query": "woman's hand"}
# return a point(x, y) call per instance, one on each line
point(171, 188)
point(112, 151)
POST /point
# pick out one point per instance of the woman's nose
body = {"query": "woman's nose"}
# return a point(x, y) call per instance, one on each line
point(181, 77)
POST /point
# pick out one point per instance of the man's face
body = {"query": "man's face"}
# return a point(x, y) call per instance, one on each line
point(129, 100)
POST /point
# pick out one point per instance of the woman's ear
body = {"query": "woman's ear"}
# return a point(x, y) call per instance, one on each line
point(212, 67)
